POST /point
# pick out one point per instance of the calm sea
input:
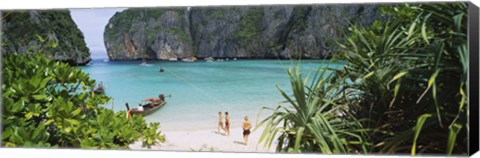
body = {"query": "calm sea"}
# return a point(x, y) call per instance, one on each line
point(199, 90)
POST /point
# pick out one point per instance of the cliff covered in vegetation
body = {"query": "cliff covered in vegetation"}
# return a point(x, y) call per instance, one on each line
point(235, 31)
point(24, 31)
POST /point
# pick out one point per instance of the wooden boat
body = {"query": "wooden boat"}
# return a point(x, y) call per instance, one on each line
point(148, 108)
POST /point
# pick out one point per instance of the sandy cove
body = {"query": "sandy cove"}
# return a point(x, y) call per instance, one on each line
point(205, 140)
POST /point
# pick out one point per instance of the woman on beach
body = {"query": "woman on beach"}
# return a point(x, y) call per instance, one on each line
point(220, 122)
point(246, 125)
point(227, 124)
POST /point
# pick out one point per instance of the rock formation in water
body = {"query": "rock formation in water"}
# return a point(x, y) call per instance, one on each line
point(25, 31)
point(235, 31)
point(149, 33)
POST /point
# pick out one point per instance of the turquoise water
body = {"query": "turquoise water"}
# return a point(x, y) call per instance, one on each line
point(199, 89)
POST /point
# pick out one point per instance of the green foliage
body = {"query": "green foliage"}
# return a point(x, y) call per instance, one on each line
point(317, 121)
point(51, 104)
point(22, 27)
point(403, 89)
point(411, 67)
point(250, 25)
point(151, 136)
point(124, 21)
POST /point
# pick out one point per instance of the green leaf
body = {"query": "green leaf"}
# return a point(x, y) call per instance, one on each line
point(40, 97)
point(430, 83)
point(452, 136)
point(411, 29)
point(7, 133)
point(72, 121)
point(40, 38)
point(68, 129)
point(48, 122)
point(420, 121)
point(399, 75)
point(18, 106)
point(76, 112)
point(424, 29)
point(298, 138)
point(368, 75)
point(28, 115)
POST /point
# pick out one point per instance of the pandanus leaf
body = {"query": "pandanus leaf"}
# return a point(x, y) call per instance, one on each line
point(418, 128)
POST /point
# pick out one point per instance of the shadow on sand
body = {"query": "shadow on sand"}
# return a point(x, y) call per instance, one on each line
point(216, 132)
point(239, 142)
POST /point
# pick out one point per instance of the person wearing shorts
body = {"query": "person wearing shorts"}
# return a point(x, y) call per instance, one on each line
point(246, 126)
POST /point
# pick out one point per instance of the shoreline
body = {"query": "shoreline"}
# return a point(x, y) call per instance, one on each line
point(208, 140)
point(207, 124)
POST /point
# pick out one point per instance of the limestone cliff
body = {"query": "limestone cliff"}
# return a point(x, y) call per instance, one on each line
point(149, 33)
point(25, 31)
point(235, 31)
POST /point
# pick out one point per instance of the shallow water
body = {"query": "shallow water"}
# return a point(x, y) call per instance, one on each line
point(199, 89)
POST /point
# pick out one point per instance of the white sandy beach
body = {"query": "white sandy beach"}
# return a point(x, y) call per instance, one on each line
point(205, 140)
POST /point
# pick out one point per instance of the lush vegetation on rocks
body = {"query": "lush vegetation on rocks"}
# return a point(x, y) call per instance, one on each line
point(51, 104)
point(22, 27)
point(251, 26)
point(402, 91)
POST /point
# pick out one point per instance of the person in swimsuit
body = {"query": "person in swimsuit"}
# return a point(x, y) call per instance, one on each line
point(220, 122)
point(246, 125)
point(227, 124)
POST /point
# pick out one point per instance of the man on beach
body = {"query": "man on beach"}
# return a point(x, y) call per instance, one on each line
point(246, 125)
point(227, 124)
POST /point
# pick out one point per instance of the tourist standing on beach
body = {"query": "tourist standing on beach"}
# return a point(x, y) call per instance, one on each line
point(246, 125)
point(227, 124)
point(220, 122)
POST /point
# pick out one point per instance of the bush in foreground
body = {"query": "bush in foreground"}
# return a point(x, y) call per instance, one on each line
point(51, 104)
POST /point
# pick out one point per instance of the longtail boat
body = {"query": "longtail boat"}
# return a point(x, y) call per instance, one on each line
point(148, 108)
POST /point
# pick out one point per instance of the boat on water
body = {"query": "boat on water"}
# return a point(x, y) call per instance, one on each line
point(190, 59)
point(173, 59)
point(145, 64)
point(209, 59)
point(144, 61)
point(148, 105)
point(148, 108)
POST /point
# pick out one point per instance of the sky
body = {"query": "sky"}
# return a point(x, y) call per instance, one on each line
point(92, 23)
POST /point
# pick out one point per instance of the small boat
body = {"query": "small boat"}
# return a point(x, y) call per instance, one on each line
point(209, 59)
point(173, 59)
point(145, 64)
point(148, 108)
point(189, 59)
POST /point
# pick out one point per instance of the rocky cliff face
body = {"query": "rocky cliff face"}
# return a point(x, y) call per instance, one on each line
point(149, 33)
point(24, 31)
point(240, 31)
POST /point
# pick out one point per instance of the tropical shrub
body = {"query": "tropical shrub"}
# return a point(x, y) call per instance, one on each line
point(317, 120)
point(403, 89)
point(51, 104)
point(413, 78)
